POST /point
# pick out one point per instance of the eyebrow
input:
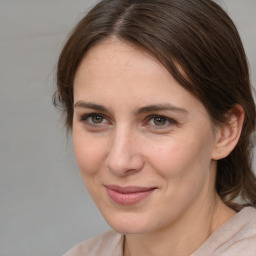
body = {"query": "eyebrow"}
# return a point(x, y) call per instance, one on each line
point(160, 107)
point(142, 110)
point(83, 104)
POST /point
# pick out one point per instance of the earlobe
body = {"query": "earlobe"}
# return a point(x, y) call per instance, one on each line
point(228, 134)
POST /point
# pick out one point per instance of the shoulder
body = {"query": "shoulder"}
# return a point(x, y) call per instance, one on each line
point(235, 238)
point(106, 244)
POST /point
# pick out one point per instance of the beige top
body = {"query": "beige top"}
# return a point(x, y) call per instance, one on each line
point(237, 237)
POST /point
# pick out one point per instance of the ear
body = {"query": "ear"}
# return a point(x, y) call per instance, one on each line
point(228, 134)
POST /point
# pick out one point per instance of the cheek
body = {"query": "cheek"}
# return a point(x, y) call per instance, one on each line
point(184, 166)
point(89, 153)
point(181, 158)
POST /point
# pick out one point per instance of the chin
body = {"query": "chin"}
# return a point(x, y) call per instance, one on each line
point(129, 223)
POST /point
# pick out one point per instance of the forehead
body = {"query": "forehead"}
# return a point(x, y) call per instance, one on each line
point(113, 64)
point(112, 55)
point(119, 71)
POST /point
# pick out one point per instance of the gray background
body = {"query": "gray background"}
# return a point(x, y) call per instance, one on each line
point(44, 207)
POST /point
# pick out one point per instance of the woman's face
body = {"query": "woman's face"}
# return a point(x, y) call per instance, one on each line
point(143, 144)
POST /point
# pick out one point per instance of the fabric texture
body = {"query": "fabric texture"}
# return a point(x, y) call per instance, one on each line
point(237, 237)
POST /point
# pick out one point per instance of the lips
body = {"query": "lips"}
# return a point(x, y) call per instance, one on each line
point(128, 195)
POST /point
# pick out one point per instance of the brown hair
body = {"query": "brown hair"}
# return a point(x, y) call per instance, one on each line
point(199, 45)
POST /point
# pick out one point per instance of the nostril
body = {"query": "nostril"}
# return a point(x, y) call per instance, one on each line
point(125, 166)
point(122, 172)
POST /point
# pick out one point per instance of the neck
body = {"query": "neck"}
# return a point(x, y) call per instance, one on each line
point(184, 236)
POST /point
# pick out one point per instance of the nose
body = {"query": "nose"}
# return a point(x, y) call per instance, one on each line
point(124, 156)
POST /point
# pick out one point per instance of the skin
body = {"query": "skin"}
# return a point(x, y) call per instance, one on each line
point(119, 140)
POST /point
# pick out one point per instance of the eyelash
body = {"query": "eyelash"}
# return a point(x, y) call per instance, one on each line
point(168, 121)
point(86, 117)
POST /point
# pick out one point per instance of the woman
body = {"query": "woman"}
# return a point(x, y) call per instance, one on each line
point(158, 97)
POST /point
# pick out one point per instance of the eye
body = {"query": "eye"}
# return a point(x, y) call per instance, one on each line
point(96, 119)
point(93, 119)
point(160, 122)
